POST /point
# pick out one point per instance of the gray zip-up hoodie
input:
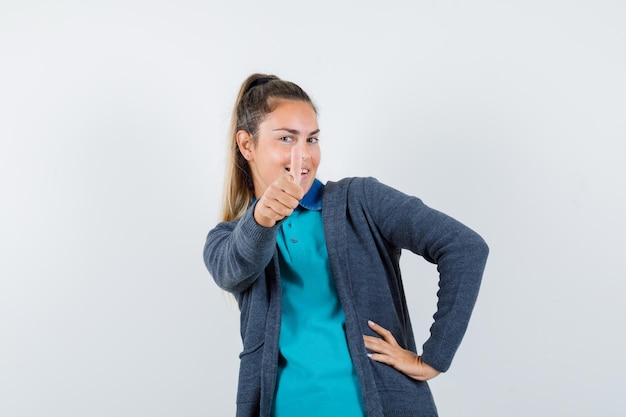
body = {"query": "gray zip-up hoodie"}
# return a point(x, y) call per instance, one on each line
point(366, 225)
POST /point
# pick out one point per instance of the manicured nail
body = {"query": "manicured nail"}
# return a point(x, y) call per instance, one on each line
point(371, 323)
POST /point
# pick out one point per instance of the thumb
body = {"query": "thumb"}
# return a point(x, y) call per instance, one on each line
point(296, 164)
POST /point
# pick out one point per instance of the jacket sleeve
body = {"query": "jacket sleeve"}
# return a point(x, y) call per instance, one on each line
point(235, 253)
point(459, 253)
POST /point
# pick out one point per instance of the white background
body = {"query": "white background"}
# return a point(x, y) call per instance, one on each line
point(509, 116)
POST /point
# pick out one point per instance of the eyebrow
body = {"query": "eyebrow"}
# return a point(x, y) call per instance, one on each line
point(294, 131)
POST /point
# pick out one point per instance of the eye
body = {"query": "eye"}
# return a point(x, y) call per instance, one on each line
point(313, 140)
point(286, 139)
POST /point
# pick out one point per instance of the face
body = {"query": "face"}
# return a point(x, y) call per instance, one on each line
point(292, 124)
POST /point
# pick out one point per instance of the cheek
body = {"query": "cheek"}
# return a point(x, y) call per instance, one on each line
point(277, 157)
point(317, 157)
point(283, 159)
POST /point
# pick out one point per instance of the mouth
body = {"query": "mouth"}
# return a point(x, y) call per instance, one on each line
point(303, 171)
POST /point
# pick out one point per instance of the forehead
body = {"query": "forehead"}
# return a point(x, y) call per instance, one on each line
point(291, 113)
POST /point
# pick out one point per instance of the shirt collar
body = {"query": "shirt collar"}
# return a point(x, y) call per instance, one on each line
point(312, 200)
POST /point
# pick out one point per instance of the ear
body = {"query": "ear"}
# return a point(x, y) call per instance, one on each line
point(245, 144)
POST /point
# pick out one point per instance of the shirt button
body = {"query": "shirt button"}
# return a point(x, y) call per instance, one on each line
point(294, 240)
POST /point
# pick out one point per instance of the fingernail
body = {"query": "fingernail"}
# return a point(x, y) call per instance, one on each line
point(371, 323)
point(369, 355)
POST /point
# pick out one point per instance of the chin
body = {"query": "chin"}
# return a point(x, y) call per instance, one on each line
point(306, 185)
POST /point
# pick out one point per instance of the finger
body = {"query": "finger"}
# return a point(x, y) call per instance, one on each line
point(284, 191)
point(388, 360)
point(375, 344)
point(281, 207)
point(296, 164)
point(382, 332)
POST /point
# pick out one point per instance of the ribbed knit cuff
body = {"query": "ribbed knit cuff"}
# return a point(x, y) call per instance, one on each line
point(252, 229)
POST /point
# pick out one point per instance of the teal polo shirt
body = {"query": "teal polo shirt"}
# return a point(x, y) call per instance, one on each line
point(315, 372)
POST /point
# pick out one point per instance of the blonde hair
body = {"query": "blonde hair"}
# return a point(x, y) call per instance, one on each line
point(258, 96)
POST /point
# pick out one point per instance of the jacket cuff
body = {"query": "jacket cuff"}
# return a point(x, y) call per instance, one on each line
point(256, 232)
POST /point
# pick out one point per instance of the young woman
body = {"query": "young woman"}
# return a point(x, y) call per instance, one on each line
point(315, 270)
